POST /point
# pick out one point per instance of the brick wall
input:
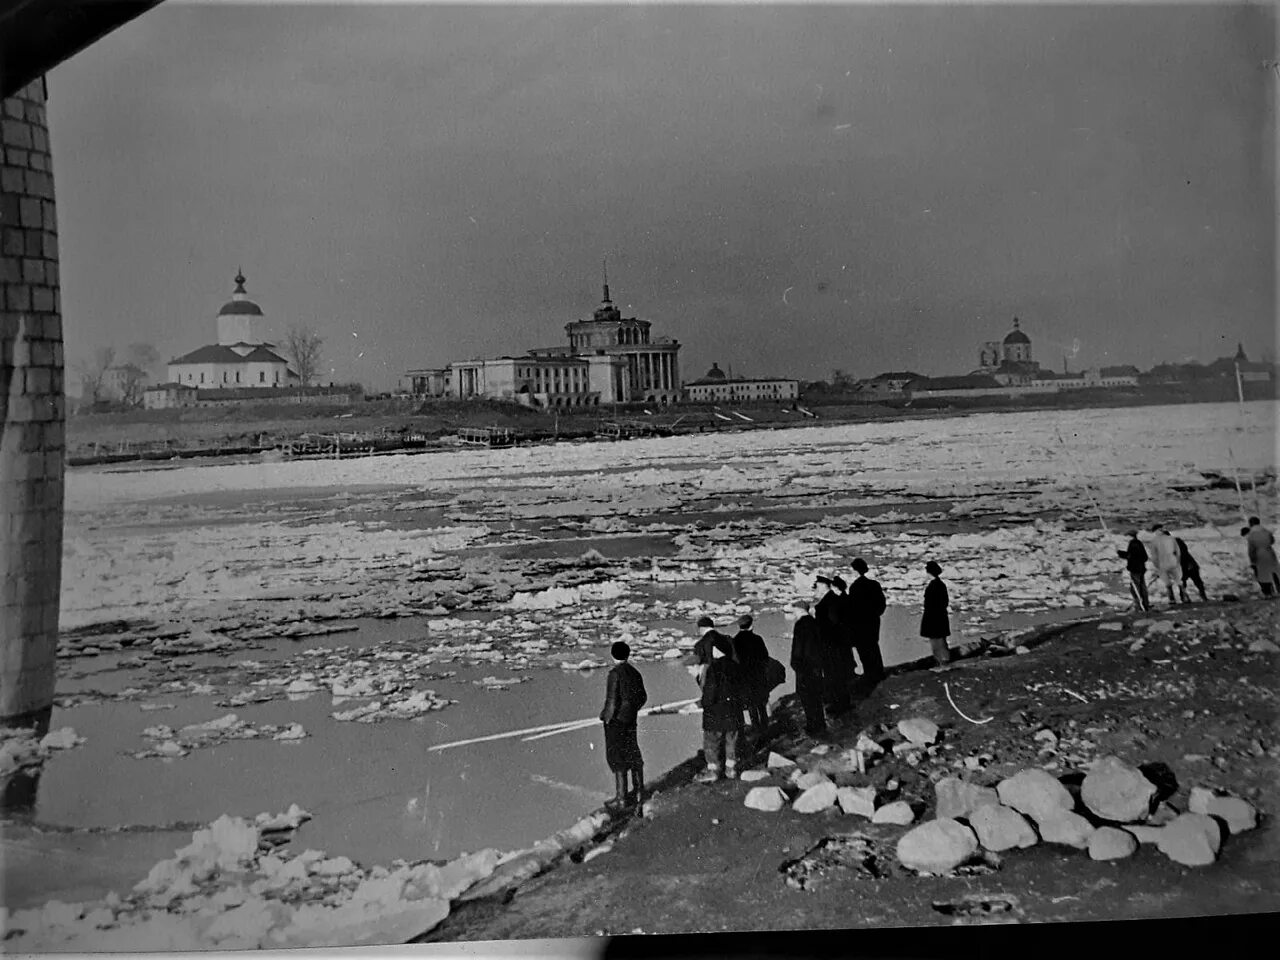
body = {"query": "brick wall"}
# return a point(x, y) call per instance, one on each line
point(31, 409)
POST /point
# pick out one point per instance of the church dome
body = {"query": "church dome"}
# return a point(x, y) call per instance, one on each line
point(240, 304)
point(1015, 335)
point(715, 373)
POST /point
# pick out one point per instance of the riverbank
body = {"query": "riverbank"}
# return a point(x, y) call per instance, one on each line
point(1197, 696)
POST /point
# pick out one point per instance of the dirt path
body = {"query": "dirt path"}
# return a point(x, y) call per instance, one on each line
point(1193, 698)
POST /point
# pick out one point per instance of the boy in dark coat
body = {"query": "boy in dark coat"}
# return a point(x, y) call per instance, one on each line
point(722, 707)
point(807, 661)
point(1135, 557)
point(701, 654)
point(837, 650)
point(624, 696)
point(866, 605)
point(1190, 570)
point(752, 655)
point(935, 625)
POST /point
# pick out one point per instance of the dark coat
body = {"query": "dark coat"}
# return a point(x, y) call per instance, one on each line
point(752, 654)
point(1185, 559)
point(806, 646)
point(624, 695)
point(934, 622)
point(702, 649)
point(722, 696)
point(865, 606)
point(829, 612)
point(1135, 557)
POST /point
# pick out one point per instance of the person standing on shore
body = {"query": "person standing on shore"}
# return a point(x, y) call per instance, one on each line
point(1164, 556)
point(624, 696)
point(1135, 557)
point(701, 655)
point(837, 670)
point(722, 707)
point(1260, 543)
point(807, 662)
point(935, 625)
point(752, 654)
point(1190, 571)
point(866, 605)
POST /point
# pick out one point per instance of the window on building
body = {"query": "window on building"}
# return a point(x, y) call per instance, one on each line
point(224, 376)
point(202, 378)
point(262, 376)
point(237, 376)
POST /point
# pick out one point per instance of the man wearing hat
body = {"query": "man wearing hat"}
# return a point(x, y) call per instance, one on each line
point(702, 650)
point(1135, 557)
point(722, 707)
point(866, 605)
point(752, 655)
point(624, 696)
point(807, 662)
point(837, 650)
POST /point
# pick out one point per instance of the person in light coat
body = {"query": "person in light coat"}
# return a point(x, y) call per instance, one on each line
point(1165, 558)
point(1260, 543)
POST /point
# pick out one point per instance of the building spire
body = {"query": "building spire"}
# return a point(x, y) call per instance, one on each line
point(239, 278)
point(605, 264)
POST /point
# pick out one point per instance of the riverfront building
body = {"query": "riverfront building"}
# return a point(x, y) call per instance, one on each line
point(716, 387)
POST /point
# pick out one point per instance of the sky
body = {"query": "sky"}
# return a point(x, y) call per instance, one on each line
point(787, 190)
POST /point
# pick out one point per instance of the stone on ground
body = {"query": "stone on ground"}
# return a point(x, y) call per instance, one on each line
point(777, 761)
point(958, 798)
point(1239, 814)
point(866, 745)
point(1067, 828)
point(938, 846)
point(1116, 791)
point(898, 812)
point(1263, 646)
point(768, 799)
point(1112, 843)
point(1192, 840)
point(811, 779)
point(858, 801)
point(918, 730)
point(816, 799)
point(1001, 828)
point(751, 776)
point(1036, 793)
point(1145, 834)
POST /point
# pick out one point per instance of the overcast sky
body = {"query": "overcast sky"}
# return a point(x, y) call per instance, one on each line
point(785, 189)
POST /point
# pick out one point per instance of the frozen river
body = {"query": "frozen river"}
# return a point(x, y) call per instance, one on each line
point(458, 573)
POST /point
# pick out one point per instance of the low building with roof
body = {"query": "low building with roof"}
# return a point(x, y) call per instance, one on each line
point(242, 358)
point(885, 386)
point(716, 387)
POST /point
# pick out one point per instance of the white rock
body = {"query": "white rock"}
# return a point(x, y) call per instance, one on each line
point(1192, 840)
point(1199, 799)
point(857, 801)
point(1067, 828)
point(769, 799)
point(777, 761)
point(1145, 834)
point(1263, 646)
point(811, 779)
point(1239, 814)
point(958, 798)
point(751, 776)
point(899, 812)
point(1112, 843)
point(1001, 828)
point(937, 846)
point(1116, 791)
point(867, 746)
point(294, 731)
point(918, 730)
point(1036, 793)
point(815, 799)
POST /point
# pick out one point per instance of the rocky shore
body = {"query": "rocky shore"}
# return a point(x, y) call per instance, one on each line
point(1123, 768)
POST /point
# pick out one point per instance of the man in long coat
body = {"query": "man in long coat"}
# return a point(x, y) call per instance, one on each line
point(722, 707)
point(807, 661)
point(1135, 558)
point(837, 649)
point(1260, 543)
point(866, 605)
point(752, 654)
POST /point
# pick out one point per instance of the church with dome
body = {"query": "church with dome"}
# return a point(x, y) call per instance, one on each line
point(1008, 361)
point(242, 358)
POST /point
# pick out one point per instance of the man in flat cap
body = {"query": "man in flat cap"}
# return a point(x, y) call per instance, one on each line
point(752, 654)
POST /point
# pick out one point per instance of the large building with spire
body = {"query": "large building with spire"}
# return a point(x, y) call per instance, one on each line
point(242, 358)
point(608, 359)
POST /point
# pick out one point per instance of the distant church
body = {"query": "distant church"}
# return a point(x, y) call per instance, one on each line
point(242, 357)
point(1008, 361)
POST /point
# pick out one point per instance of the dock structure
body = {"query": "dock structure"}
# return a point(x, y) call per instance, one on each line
point(488, 436)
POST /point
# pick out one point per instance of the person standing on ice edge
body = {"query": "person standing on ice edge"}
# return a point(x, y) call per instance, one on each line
point(866, 605)
point(752, 655)
point(807, 662)
point(837, 651)
point(1164, 556)
point(722, 707)
point(1190, 571)
point(1260, 543)
point(935, 625)
point(701, 655)
point(1135, 557)
point(624, 696)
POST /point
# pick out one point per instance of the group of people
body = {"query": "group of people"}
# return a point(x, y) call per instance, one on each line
point(736, 674)
point(1174, 563)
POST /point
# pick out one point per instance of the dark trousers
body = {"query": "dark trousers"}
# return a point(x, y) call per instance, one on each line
point(838, 674)
point(872, 662)
point(809, 688)
point(1138, 584)
point(1194, 576)
point(1267, 588)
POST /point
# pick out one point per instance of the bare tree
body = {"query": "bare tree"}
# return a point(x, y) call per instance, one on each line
point(132, 380)
point(144, 356)
point(303, 347)
point(93, 374)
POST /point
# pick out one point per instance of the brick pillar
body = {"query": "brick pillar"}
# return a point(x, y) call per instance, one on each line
point(32, 411)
